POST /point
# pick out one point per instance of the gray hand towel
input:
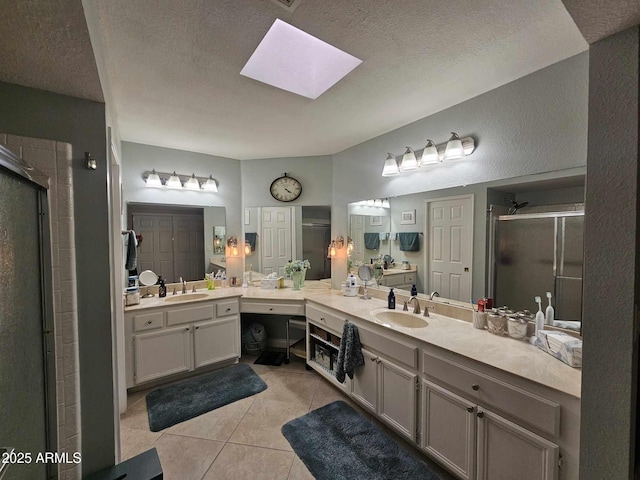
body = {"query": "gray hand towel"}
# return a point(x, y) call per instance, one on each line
point(409, 242)
point(372, 241)
point(132, 254)
point(350, 354)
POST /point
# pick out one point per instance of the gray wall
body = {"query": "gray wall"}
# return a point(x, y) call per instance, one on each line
point(314, 173)
point(138, 158)
point(612, 267)
point(40, 114)
point(535, 124)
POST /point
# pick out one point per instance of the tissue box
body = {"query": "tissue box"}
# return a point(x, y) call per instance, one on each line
point(561, 345)
point(272, 283)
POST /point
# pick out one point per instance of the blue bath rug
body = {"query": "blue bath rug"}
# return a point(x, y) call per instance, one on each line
point(182, 401)
point(337, 443)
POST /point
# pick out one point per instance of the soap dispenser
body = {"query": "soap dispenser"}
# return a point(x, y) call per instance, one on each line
point(549, 313)
point(391, 300)
point(414, 290)
point(162, 288)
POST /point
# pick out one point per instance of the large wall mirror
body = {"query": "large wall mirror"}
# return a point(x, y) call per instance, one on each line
point(510, 240)
point(179, 241)
point(278, 235)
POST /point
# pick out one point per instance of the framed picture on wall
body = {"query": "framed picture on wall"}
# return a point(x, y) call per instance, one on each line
point(375, 221)
point(408, 217)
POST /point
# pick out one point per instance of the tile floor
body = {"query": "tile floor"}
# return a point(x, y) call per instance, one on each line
point(241, 440)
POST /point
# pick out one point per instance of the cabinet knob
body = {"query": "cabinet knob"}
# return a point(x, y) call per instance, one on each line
point(196, 328)
point(186, 329)
point(228, 309)
point(480, 414)
point(470, 409)
point(475, 386)
point(149, 322)
point(378, 360)
point(322, 319)
point(373, 359)
point(271, 309)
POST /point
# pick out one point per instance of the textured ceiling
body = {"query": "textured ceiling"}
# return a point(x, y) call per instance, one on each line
point(598, 19)
point(46, 45)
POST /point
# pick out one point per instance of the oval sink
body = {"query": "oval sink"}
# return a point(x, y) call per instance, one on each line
point(186, 297)
point(398, 319)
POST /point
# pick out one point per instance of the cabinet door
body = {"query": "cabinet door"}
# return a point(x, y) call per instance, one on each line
point(449, 429)
point(398, 391)
point(365, 382)
point(162, 353)
point(507, 451)
point(215, 341)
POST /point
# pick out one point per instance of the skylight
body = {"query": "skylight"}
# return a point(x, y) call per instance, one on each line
point(293, 60)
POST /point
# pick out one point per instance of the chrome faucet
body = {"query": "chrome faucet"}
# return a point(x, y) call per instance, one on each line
point(416, 306)
point(433, 294)
point(184, 286)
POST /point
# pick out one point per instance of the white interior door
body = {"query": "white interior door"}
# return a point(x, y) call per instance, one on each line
point(276, 239)
point(450, 233)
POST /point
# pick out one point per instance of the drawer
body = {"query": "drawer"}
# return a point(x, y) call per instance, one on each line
point(270, 308)
point(389, 347)
point(409, 278)
point(224, 309)
point(189, 314)
point(490, 392)
point(148, 321)
point(394, 280)
point(326, 319)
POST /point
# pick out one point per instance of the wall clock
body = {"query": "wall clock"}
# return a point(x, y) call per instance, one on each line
point(285, 188)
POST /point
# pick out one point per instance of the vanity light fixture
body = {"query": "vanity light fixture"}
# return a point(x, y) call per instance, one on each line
point(192, 183)
point(409, 161)
point(431, 154)
point(89, 162)
point(210, 185)
point(454, 148)
point(173, 181)
point(375, 202)
point(232, 243)
point(247, 249)
point(180, 182)
point(334, 246)
point(390, 166)
point(153, 180)
point(350, 246)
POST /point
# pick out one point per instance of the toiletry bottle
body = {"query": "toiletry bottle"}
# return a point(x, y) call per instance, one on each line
point(414, 290)
point(391, 300)
point(352, 280)
point(539, 316)
point(549, 314)
point(162, 289)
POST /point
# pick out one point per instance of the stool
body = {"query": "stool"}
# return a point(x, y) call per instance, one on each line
point(145, 466)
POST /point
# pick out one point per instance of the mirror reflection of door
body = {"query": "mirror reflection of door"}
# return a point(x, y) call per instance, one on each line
point(357, 235)
point(450, 233)
point(172, 240)
point(316, 236)
point(276, 239)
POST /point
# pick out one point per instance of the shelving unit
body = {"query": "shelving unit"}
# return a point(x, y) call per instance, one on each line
point(299, 347)
point(323, 348)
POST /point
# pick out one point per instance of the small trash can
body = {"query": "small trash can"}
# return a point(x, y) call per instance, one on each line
point(254, 339)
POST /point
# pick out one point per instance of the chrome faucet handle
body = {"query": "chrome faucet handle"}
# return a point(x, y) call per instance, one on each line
point(174, 291)
point(194, 289)
point(405, 309)
point(426, 310)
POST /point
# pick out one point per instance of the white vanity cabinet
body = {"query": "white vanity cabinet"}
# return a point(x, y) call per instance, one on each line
point(387, 390)
point(464, 433)
point(172, 340)
point(381, 385)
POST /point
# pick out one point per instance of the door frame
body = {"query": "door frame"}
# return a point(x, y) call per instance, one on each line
point(427, 235)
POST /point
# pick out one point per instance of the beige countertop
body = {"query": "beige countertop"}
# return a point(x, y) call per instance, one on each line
point(457, 336)
point(516, 357)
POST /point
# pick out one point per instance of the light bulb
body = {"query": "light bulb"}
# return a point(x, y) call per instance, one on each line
point(247, 249)
point(409, 161)
point(429, 154)
point(454, 149)
point(390, 166)
point(192, 183)
point(174, 181)
point(153, 180)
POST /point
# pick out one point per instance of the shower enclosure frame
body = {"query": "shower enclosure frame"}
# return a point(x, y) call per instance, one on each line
point(11, 164)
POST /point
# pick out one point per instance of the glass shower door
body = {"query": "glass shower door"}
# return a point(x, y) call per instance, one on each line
point(27, 387)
